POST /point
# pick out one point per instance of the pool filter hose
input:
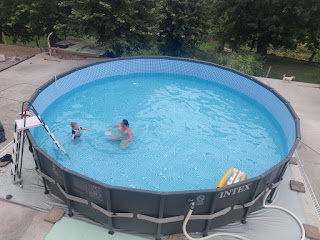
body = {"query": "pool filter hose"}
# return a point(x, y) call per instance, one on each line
point(185, 222)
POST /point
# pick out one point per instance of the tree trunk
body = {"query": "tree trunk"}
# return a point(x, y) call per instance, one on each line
point(221, 46)
point(252, 45)
point(15, 39)
point(312, 56)
point(262, 47)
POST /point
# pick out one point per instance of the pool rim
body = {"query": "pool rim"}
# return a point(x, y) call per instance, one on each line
point(155, 212)
point(272, 90)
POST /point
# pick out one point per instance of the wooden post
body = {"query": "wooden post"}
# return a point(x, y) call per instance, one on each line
point(4, 38)
point(39, 44)
point(49, 46)
point(268, 71)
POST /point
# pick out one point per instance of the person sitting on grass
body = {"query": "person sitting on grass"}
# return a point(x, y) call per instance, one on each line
point(76, 130)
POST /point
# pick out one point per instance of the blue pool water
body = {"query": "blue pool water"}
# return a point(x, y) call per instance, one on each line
point(188, 132)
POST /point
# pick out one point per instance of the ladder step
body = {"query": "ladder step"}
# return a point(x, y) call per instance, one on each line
point(15, 136)
point(14, 158)
point(14, 148)
point(30, 123)
point(14, 168)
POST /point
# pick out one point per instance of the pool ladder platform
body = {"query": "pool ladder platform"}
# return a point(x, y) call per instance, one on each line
point(26, 122)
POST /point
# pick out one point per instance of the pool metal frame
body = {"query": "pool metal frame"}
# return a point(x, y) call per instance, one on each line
point(159, 213)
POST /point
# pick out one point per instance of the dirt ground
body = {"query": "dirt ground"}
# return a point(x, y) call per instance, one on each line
point(14, 54)
point(17, 51)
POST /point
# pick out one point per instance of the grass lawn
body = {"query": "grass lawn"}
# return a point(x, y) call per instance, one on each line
point(42, 40)
point(280, 64)
point(302, 70)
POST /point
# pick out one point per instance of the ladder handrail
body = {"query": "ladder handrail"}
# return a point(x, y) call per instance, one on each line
point(20, 136)
point(32, 108)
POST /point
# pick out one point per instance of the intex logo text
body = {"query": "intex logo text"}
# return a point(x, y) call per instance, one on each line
point(235, 191)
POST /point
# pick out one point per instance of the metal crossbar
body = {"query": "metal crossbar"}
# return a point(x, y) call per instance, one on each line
point(85, 201)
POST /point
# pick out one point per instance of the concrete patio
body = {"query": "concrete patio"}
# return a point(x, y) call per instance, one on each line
point(19, 82)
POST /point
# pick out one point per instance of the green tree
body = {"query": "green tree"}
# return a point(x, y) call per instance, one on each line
point(182, 25)
point(265, 22)
point(44, 15)
point(119, 26)
point(7, 8)
point(16, 24)
point(32, 18)
point(311, 32)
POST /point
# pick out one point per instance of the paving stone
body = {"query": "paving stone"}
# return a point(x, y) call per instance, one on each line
point(172, 237)
point(15, 220)
point(293, 161)
point(2, 58)
point(38, 229)
point(297, 186)
point(312, 232)
point(54, 215)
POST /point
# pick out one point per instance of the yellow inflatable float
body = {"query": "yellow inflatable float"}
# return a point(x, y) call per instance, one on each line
point(232, 176)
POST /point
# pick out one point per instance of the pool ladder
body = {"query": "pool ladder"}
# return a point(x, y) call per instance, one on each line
point(22, 124)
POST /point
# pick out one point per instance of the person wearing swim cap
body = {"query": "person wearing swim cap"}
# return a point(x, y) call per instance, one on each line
point(125, 134)
point(76, 130)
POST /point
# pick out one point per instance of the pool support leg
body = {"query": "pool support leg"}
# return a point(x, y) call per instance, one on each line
point(38, 165)
point(271, 196)
point(246, 212)
point(65, 183)
point(213, 206)
point(109, 207)
point(161, 210)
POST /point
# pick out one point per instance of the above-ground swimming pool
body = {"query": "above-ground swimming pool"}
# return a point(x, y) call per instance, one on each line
point(191, 122)
point(188, 132)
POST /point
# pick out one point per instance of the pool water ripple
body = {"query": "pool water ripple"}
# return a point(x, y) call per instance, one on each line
point(188, 132)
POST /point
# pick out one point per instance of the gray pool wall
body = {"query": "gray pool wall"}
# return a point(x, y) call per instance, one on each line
point(162, 213)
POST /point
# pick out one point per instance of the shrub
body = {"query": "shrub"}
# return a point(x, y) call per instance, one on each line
point(245, 62)
point(249, 64)
point(153, 51)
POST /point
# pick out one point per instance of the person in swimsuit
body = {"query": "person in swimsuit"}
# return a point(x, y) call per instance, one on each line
point(125, 134)
point(76, 130)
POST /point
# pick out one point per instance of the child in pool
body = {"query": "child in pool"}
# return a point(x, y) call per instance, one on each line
point(76, 130)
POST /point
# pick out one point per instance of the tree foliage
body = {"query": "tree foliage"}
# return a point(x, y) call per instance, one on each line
point(275, 22)
point(7, 9)
point(117, 25)
point(31, 18)
point(175, 27)
point(182, 25)
point(310, 33)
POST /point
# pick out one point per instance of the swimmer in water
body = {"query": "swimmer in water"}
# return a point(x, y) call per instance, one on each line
point(76, 130)
point(125, 134)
